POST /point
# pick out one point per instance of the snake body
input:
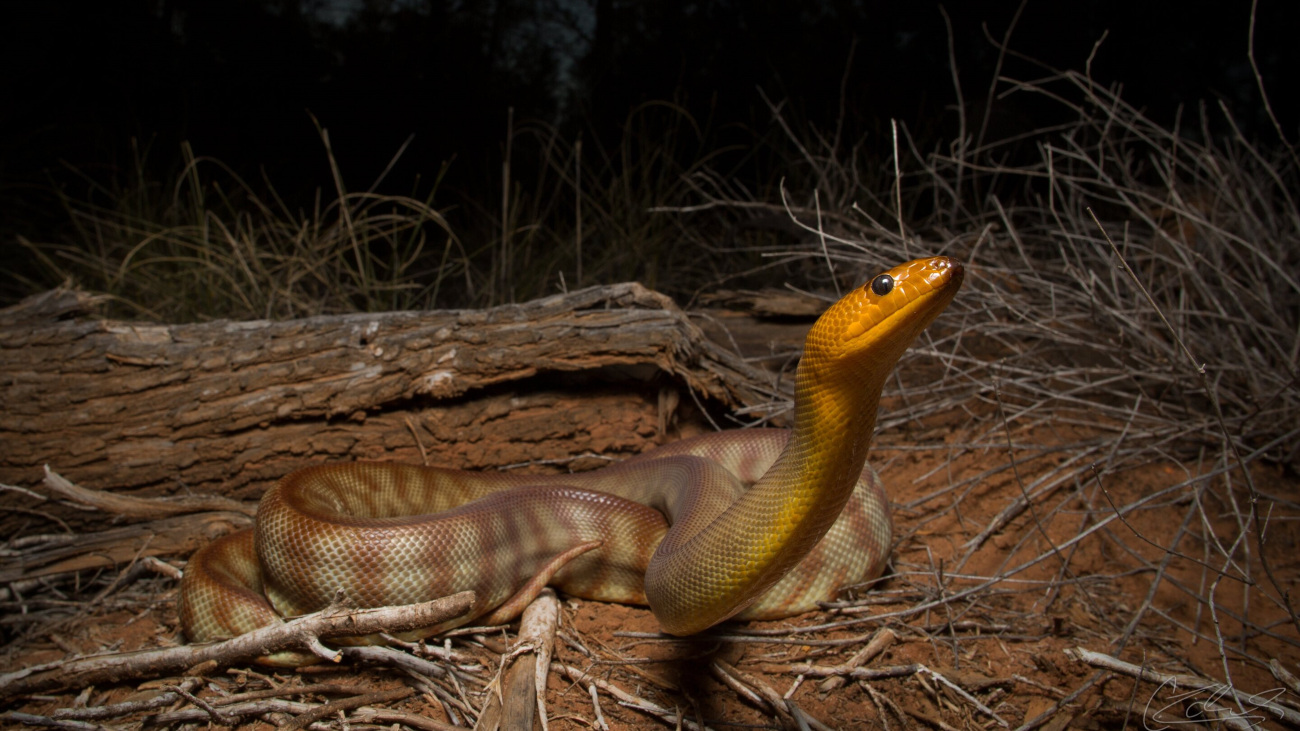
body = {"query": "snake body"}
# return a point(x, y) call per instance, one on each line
point(752, 524)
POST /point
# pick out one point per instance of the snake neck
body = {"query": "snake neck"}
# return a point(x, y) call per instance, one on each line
point(848, 354)
point(816, 474)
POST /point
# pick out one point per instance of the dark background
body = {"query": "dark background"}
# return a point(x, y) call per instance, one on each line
point(237, 78)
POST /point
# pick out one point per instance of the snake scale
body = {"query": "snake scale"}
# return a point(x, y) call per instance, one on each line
point(748, 523)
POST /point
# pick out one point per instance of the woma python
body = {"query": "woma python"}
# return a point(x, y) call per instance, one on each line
point(749, 523)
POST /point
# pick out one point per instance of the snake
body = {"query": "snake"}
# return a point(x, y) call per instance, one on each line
point(750, 523)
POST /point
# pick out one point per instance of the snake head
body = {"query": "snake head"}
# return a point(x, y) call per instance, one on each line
point(877, 321)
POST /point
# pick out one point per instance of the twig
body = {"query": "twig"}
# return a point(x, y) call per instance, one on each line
point(381, 655)
point(627, 698)
point(346, 704)
point(238, 710)
point(214, 714)
point(893, 671)
point(389, 716)
point(1259, 82)
point(595, 704)
point(1284, 676)
point(32, 719)
point(117, 710)
point(966, 696)
point(141, 507)
point(878, 644)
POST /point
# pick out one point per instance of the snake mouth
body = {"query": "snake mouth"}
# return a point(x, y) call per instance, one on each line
point(928, 290)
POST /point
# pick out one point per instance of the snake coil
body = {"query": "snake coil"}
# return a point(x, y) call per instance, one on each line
point(750, 523)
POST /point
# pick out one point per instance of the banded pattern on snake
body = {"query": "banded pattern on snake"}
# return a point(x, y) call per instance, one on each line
point(750, 523)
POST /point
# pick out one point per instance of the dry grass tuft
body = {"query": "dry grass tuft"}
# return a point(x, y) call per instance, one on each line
point(1073, 365)
point(208, 245)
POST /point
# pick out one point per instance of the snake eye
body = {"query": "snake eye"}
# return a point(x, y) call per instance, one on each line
point(882, 285)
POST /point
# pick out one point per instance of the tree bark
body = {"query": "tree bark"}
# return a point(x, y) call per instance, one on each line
point(226, 407)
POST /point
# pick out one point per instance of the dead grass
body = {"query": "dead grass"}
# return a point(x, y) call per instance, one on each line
point(1072, 363)
point(210, 245)
point(207, 244)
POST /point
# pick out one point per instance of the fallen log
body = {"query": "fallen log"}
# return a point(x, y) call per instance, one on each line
point(227, 407)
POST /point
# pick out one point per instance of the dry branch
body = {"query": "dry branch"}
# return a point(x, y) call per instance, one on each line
point(303, 633)
point(517, 696)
